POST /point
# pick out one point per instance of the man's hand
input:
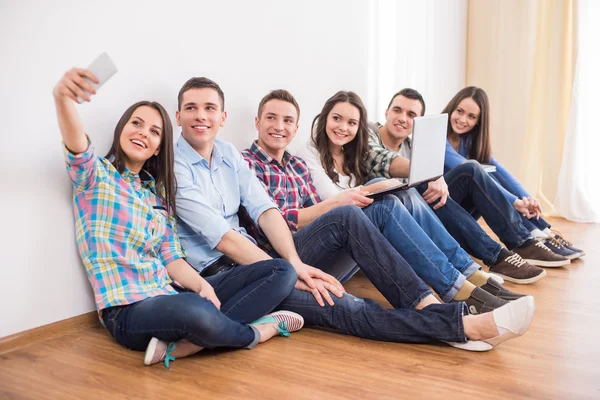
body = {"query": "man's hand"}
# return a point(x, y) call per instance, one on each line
point(529, 207)
point(436, 190)
point(355, 197)
point(307, 280)
point(321, 291)
point(208, 293)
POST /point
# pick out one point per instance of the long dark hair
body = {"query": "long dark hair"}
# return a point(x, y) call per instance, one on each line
point(159, 166)
point(481, 147)
point(355, 152)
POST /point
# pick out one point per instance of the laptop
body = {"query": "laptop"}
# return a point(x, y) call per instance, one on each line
point(427, 156)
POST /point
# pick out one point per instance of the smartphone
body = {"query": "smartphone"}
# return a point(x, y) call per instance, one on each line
point(103, 67)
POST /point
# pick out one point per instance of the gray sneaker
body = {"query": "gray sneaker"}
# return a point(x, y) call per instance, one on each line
point(496, 289)
point(480, 301)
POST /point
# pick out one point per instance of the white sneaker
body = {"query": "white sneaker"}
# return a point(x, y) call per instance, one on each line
point(472, 345)
point(513, 319)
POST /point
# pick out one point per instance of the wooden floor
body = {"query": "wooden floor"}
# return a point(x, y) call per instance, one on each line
point(557, 359)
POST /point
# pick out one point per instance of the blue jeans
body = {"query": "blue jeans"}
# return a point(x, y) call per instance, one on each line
point(455, 222)
point(246, 294)
point(472, 188)
point(430, 263)
point(530, 224)
point(437, 232)
point(348, 230)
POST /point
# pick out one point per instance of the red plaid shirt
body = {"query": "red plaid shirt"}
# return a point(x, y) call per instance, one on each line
point(289, 185)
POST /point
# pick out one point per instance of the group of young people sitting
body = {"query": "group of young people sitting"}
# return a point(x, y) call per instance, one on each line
point(190, 244)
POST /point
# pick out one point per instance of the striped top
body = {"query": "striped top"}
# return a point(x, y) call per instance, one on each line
point(125, 237)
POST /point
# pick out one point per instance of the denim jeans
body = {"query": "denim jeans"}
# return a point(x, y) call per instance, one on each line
point(347, 229)
point(457, 222)
point(530, 224)
point(472, 188)
point(246, 294)
point(430, 263)
point(437, 232)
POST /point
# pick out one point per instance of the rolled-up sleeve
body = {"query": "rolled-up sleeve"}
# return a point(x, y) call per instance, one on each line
point(195, 210)
point(252, 193)
point(83, 167)
point(170, 248)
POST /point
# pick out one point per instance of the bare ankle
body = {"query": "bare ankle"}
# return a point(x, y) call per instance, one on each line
point(266, 331)
point(480, 327)
point(429, 300)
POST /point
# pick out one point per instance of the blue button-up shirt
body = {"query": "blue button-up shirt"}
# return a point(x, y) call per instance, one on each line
point(209, 197)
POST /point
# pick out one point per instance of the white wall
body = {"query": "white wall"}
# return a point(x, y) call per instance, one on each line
point(420, 45)
point(312, 48)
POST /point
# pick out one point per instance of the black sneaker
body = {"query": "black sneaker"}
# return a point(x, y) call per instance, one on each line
point(480, 301)
point(496, 289)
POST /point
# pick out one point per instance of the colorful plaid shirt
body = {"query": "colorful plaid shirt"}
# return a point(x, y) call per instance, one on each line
point(289, 185)
point(125, 236)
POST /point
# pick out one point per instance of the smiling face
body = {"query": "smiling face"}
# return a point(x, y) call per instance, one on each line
point(465, 116)
point(200, 117)
point(141, 137)
point(277, 125)
point(342, 124)
point(400, 116)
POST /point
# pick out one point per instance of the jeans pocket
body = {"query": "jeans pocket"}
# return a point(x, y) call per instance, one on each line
point(110, 317)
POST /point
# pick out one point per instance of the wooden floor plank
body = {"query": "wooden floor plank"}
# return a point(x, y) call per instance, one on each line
point(557, 359)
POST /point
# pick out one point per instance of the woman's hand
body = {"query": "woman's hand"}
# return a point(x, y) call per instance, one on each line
point(529, 207)
point(356, 197)
point(208, 293)
point(73, 84)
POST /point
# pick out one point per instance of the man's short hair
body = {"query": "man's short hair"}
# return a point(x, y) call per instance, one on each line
point(279, 94)
point(409, 94)
point(200, 83)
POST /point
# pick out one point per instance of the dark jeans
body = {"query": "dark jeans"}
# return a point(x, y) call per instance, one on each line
point(530, 224)
point(246, 294)
point(347, 230)
point(472, 189)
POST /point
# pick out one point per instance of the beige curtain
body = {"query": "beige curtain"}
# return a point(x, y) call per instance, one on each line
point(522, 53)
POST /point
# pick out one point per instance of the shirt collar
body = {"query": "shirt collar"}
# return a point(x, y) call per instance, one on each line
point(144, 178)
point(194, 157)
point(265, 157)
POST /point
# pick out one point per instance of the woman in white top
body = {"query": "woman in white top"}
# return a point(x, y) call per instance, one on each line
point(336, 156)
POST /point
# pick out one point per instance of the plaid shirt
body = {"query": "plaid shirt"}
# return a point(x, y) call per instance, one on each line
point(125, 237)
point(380, 157)
point(289, 185)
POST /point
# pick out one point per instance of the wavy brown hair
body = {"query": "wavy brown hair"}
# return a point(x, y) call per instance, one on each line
point(355, 152)
point(159, 166)
point(481, 147)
